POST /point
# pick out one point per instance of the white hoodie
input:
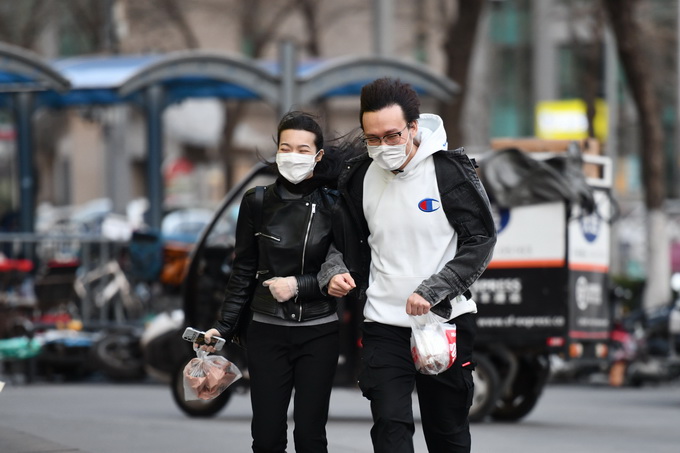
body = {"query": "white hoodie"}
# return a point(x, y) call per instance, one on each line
point(410, 236)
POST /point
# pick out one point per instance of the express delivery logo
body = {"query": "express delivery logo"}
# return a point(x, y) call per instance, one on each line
point(590, 226)
point(501, 218)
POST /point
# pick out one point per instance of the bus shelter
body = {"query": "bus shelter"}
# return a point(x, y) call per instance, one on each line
point(153, 82)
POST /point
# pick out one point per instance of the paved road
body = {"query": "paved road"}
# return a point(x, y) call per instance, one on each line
point(142, 418)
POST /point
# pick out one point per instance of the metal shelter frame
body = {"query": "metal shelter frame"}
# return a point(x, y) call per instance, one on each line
point(24, 74)
point(153, 82)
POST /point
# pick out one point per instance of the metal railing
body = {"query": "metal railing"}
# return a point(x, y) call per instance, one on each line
point(41, 271)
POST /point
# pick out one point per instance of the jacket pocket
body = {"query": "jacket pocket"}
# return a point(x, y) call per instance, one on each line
point(268, 236)
point(375, 369)
point(460, 379)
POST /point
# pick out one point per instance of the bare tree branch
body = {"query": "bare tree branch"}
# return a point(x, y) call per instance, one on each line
point(256, 32)
point(588, 52)
point(36, 20)
point(309, 10)
point(178, 17)
point(633, 55)
point(459, 46)
point(5, 34)
point(23, 30)
point(89, 18)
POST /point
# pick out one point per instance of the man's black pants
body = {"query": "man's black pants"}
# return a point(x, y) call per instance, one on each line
point(388, 377)
point(281, 359)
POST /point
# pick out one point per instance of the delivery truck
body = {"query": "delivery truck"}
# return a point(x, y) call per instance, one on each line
point(545, 292)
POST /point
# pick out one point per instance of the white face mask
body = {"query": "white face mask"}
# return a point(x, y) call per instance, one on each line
point(296, 167)
point(389, 157)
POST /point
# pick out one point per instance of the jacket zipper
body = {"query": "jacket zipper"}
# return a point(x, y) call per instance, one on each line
point(273, 238)
point(304, 250)
point(309, 227)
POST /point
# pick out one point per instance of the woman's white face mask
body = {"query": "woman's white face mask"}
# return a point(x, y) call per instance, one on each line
point(296, 167)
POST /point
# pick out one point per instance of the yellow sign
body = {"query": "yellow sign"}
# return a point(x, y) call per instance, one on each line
point(566, 119)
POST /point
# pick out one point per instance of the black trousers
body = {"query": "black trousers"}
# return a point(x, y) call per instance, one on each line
point(388, 377)
point(281, 359)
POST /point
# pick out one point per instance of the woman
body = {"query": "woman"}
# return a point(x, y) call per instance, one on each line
point(293, 339)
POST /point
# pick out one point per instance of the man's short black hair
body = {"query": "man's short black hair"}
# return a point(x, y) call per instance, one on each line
point(385, 92)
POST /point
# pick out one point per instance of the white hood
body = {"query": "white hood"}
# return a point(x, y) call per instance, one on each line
point(431, 137)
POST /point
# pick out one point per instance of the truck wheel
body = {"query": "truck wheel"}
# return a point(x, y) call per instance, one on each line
point(487, 388)
point(196, 408)
point(526, 389)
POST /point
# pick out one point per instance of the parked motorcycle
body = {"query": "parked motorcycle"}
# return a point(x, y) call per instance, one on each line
point(645, 345)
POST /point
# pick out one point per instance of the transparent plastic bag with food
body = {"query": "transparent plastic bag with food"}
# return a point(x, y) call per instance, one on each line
point(433, 343)
point(206, 376)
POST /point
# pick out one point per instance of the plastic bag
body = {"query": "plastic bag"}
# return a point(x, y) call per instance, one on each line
point(433, 343)
point(206, 376)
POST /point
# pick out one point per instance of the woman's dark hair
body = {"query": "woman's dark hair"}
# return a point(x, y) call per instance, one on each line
point(300, 121)
point(385, 92)
point(336, 153)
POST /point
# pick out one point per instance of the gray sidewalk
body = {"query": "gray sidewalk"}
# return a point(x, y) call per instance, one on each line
point(16, 441)
point(142, 418)
point(114, 418)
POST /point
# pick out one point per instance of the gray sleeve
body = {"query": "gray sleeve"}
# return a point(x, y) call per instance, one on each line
point(333, 265)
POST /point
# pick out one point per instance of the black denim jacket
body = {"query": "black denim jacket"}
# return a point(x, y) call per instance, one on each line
point(466, 206)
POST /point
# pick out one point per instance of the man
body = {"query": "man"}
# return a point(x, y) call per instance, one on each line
point(414, 231)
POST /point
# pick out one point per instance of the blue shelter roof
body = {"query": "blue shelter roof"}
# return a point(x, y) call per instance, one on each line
point(98, 80)
point(95, 72)
point(94, 80)
point(111, 79)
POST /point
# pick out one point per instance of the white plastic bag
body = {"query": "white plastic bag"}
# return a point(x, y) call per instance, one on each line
point(206, 376)
point(433, 343)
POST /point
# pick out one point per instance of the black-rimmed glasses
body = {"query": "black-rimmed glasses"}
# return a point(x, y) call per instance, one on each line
point(388, 139)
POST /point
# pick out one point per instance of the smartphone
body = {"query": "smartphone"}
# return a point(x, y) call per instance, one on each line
point(198, 337)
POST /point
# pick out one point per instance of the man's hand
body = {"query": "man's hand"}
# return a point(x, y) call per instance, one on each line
point(340, 285)
point(208, 337)
point(282, 288)
point(416, 305)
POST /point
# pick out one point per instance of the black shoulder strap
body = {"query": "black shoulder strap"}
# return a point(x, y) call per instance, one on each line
point(439, 170)
point(444, 180)
point(259, 200)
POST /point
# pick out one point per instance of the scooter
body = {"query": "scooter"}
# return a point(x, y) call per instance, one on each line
point(645, 346)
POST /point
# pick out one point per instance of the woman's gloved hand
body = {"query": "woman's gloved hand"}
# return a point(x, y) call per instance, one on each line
point(282, 288)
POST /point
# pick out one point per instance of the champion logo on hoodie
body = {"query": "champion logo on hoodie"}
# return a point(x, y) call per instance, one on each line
point(428, 205)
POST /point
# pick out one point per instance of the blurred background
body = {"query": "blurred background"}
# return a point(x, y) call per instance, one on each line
point(123, 125)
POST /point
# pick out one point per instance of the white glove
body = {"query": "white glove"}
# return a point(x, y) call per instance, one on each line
point(282, 288)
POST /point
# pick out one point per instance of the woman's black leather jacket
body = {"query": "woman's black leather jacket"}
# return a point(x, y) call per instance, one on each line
point(293, 239)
